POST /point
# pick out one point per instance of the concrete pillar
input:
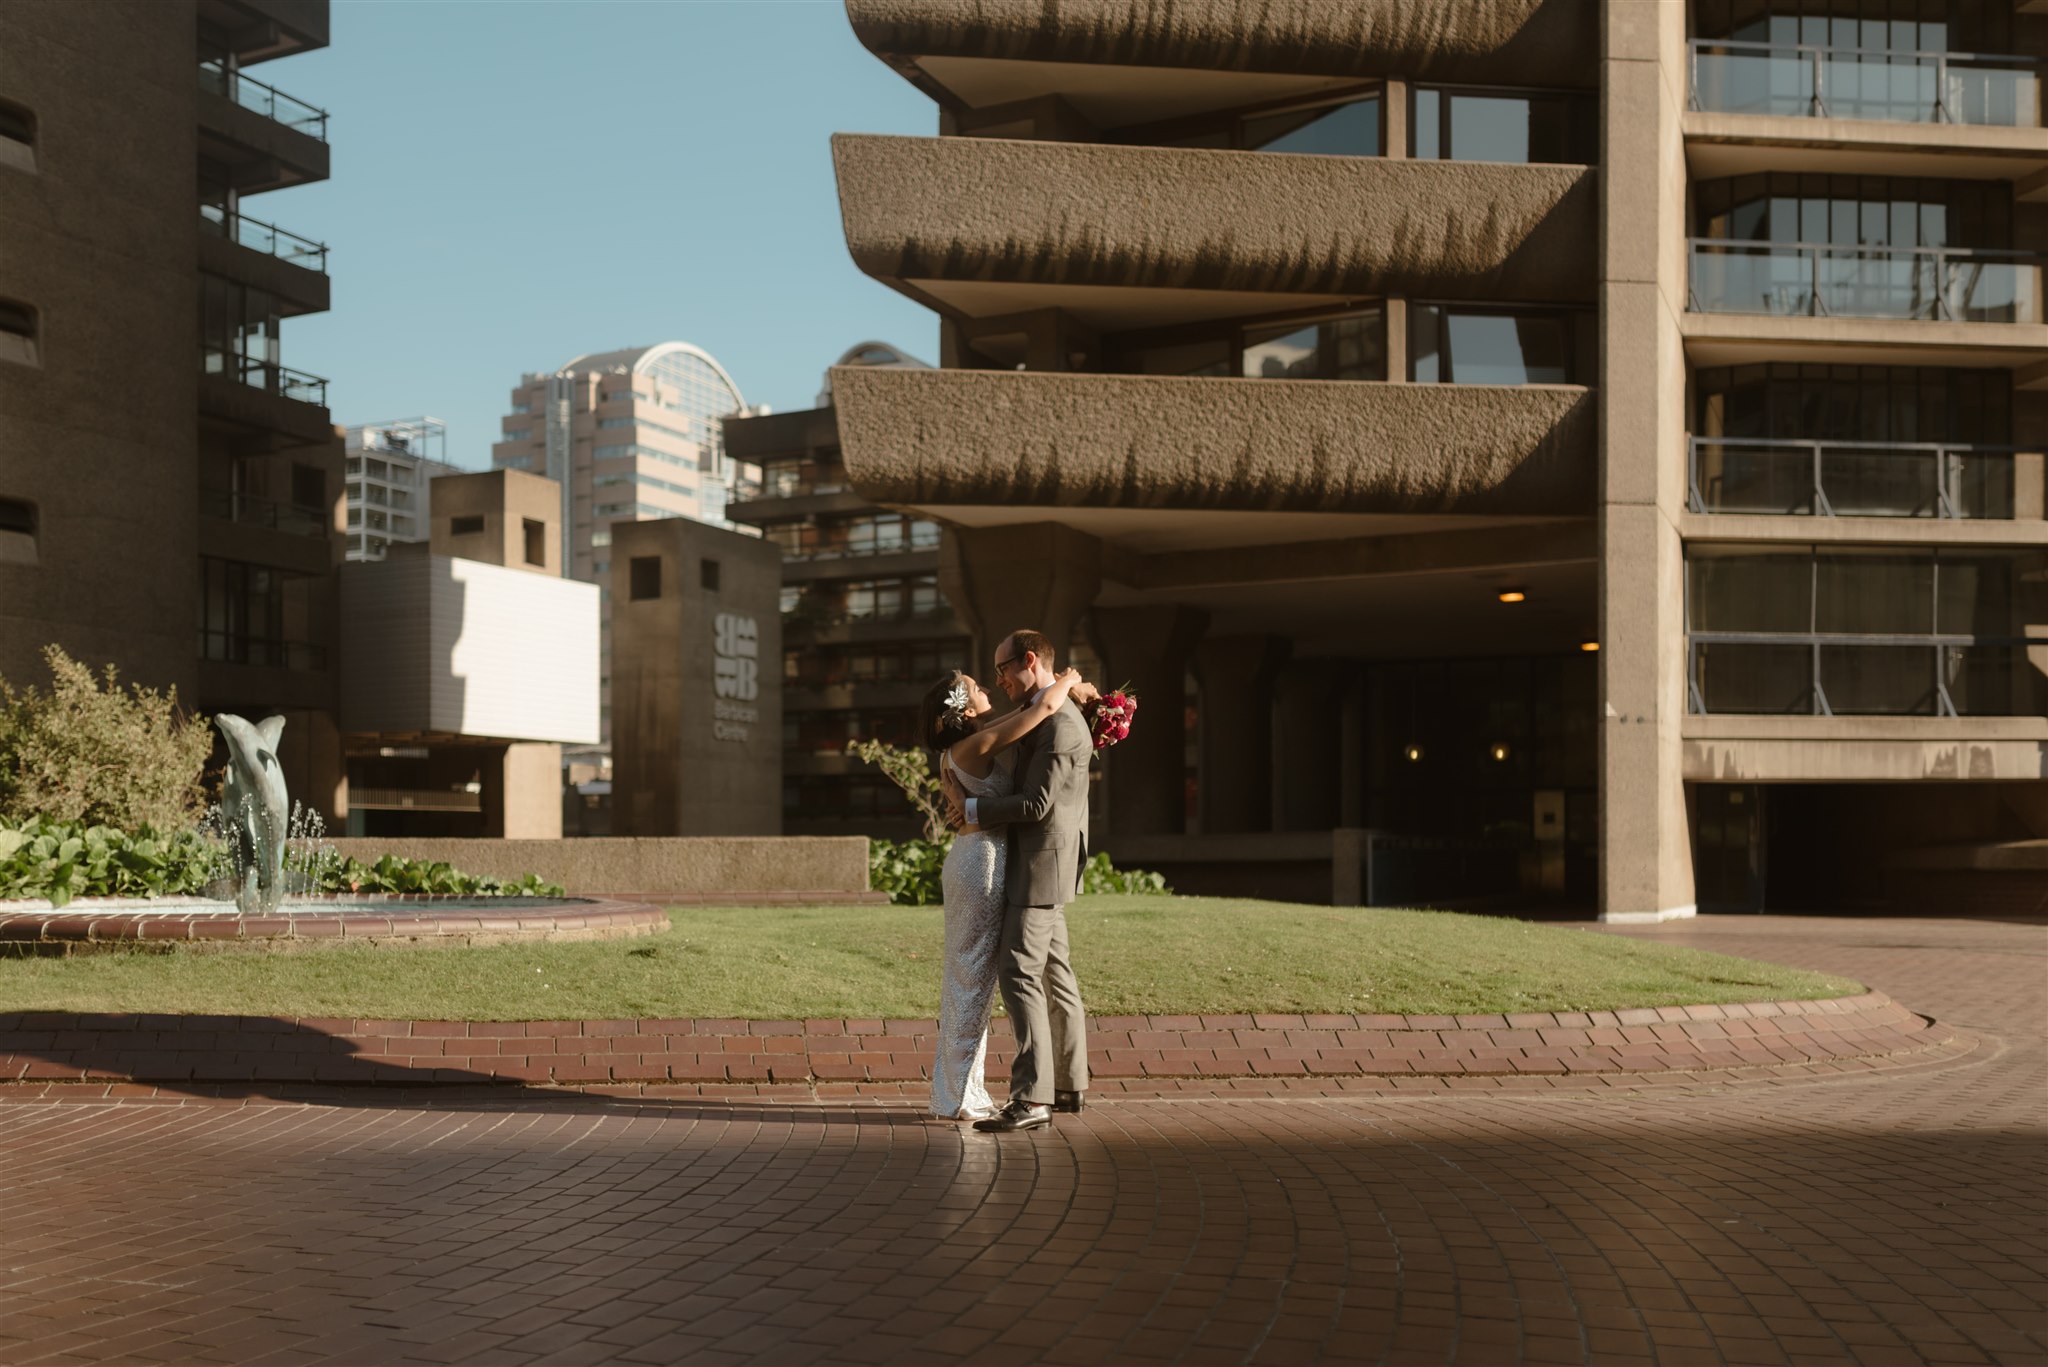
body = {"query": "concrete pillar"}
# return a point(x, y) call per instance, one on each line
point(1002, 579)
point(1146, 775)
point(1394, 118)
point(1645, 837)
point(1236, 716)
point(523, 792)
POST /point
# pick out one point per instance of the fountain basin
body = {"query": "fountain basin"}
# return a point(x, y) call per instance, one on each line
point(108, 923)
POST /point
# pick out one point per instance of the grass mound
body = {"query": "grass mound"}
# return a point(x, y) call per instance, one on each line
point(1135, 955)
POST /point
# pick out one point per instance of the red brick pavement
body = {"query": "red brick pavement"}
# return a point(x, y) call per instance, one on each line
point(1869, 1216)
point(1866, 1028)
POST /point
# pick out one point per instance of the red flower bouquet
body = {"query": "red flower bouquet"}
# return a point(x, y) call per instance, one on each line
point(1110, 719)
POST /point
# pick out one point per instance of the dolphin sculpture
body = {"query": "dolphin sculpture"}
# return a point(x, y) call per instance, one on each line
point(255, 810)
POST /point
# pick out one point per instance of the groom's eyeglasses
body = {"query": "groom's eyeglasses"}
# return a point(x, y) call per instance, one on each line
point(1003, 665)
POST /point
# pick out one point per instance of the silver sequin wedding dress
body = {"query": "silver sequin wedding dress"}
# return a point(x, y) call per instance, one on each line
point(973, 883)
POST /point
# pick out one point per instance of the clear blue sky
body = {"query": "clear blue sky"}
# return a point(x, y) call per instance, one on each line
point(519, 181)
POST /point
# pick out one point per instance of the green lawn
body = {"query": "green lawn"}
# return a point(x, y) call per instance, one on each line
point(1134, 955)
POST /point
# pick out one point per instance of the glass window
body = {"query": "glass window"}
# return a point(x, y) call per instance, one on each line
point(1448, 345)
point(1503, 126)
point(1351, 347)
point(1347, 130)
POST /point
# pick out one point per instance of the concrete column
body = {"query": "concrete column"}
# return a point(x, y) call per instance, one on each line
point(527, 783)
point(1394, 118)
point(1148, 647)
point(1002, 579)
point(1236, 714)
point(1397, 340)
point(1645, 837)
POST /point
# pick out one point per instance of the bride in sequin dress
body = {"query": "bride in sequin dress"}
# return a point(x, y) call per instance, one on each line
point(951, 722)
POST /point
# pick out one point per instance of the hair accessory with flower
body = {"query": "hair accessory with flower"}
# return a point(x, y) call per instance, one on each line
point(956, 701)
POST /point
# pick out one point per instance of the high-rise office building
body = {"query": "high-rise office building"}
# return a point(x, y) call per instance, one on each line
point(169, 486)
point(629, 435)
point(390, 470)
point(1569, 448)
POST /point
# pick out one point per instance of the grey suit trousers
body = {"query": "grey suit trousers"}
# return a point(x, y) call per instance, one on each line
point(1044, 1002)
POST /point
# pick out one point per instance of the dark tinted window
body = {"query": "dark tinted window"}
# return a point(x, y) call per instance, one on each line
point(646, 577)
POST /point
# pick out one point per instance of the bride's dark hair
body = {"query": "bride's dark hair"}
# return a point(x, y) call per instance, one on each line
point(939, 723)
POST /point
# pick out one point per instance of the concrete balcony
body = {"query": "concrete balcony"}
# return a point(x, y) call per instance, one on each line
point(986, 227)
point(255, 137)
point(251, 252)
point(1020, 443)
point(267, 407)
point(759, 510)
point(1772, 749)
point(798, 630)
point(260, 30)
point(1131, 62)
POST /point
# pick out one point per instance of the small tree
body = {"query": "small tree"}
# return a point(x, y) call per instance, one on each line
point(909, 769)
point(99, 755)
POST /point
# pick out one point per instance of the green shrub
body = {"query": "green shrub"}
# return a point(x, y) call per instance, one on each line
point(395, 875)
point(96, 755)
point(909, 871)
point(59, 860)
point(1097, 876)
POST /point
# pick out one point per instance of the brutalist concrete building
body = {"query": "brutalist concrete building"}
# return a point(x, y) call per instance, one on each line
point(170, 484)
point(1584, 450)
point(865, 629)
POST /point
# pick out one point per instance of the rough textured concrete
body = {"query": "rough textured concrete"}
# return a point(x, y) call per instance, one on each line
point(1192, 219)
point(680, 866)
point(506, 500)
point(1467, 40)
point(1146, 441)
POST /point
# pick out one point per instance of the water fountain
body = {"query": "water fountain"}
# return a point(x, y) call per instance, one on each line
point(267, 893)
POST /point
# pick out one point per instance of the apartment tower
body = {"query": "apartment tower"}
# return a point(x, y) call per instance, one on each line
point(628, 435)
point(169, 486)
point(1546, 449)
point(865, 630)
point(390, 471)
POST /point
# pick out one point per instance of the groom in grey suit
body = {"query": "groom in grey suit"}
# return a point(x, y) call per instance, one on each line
point(1047, 827)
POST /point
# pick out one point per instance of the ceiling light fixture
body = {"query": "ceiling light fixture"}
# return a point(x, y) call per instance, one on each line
point(1412, 753)
point(1513, 595)
point(1499, 751)
point(1589, 646)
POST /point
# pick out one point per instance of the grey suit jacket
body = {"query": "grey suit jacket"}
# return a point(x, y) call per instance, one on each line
point(1047, 817)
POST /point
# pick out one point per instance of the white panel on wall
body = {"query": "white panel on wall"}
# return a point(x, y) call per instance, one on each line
point(432, 643)
point(521, 659)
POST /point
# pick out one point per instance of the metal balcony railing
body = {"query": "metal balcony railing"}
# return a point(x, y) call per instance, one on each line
point(263, 512)
point(264, 237)
point(1811, 80)
point(268, 376)
point(1826, 675)
point(269, 101)
point(1781, 476)
point(1802, 279)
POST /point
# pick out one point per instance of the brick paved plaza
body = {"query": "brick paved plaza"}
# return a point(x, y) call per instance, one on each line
point(1875, 1216)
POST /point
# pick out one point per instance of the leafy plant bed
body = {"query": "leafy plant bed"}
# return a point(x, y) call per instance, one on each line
point(1136, 955)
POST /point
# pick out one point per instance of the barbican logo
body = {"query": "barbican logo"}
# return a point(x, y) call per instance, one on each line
point(736, 657)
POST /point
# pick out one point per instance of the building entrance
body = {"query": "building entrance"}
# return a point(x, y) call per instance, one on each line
point(1728, 847)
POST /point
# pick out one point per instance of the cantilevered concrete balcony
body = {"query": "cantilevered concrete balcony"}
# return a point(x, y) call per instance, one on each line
point(1028, 443)
point(252, 252)
point(1134, 61)
point(983, 226)
point(255, 137)
point(260, 30)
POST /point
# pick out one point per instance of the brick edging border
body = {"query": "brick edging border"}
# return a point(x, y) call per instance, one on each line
point(60, 1046)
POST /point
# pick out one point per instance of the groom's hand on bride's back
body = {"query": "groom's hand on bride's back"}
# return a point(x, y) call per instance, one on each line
point(956, 802)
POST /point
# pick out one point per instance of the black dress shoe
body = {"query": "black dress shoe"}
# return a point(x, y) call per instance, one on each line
point(1018, 1115)
point(1069, 1102)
